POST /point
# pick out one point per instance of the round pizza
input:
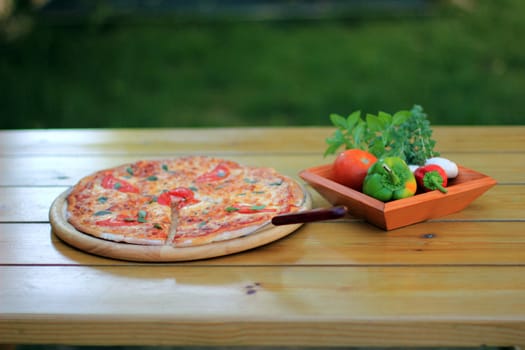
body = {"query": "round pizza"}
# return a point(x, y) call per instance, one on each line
point(180, 202)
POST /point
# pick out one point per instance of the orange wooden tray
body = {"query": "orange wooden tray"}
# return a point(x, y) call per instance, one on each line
point(462, 190)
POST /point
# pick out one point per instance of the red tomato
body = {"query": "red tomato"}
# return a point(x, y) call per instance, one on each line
point(183, 196)
point(111, 182)
point(350, 167)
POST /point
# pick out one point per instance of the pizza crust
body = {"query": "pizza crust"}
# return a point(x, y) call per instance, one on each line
point(200, 240)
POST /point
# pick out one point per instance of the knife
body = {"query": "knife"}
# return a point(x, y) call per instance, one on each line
point(318, 214)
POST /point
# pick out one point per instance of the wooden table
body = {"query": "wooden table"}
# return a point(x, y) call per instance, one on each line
point(458, 280)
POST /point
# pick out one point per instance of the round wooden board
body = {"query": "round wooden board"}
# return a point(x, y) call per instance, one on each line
point(164, 253)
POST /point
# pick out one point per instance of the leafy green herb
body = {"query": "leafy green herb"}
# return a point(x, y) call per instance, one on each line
point(202, 223)
point(130, 171)
point(165, 167)
point(102, 199)
point(406, 134)
point(117, 185)
point(102, 212)
point(152, 178)
point(157, 226)
point(142, 216)
point(419, 144)
point(245, 208)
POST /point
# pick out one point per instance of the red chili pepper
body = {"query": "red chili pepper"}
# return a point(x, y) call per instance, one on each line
point(220, 172)
point(111, 182)
point(431, 177)
point(185, 195)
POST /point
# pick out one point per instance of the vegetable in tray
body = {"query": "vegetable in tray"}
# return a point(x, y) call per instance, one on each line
point(388, 156)
point(390, 178)
point(431, 177)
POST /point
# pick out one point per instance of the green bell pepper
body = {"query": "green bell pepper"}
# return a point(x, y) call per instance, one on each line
point(388, 179)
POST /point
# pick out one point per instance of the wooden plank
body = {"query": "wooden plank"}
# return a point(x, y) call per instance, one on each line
point(275, 333)
point(334, 243)
point(161, 141)
point(234, 140)
point(67, 170)
point(27, 204)
point(31, 204)
point(508, 168)
point(199, 305)
point(359, 244)
point(505, 168)
point(485, 139)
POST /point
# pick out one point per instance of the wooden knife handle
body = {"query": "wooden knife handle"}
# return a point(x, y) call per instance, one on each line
point(312, 215)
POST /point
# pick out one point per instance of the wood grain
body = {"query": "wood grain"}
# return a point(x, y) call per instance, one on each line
point(506, 168)
point(277, 333)
point(334, 243)
point(454, 281)
point(234, 140)
point(27, 204)
point(242, 306)
point(67, 170)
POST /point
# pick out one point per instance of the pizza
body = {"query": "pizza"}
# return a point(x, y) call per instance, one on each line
point(181, 202)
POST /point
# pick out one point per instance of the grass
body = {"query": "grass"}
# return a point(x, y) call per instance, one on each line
point(463, 67)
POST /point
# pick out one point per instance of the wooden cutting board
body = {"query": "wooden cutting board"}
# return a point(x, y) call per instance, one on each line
point(133, 252)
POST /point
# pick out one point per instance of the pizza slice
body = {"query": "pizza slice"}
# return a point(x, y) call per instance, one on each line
point(107, 206)
point(228, 207)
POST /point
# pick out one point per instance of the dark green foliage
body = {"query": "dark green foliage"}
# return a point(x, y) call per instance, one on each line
point(407, 134)
point(465, 67)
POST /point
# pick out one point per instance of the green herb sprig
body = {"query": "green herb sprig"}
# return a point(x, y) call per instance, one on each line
point(406, 134)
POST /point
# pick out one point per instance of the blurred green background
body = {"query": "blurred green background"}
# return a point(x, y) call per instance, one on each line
point(258, 63)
